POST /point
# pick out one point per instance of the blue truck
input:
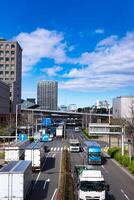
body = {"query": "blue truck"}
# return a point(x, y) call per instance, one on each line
point(93, 153)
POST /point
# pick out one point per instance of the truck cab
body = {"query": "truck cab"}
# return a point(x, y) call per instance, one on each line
point(74, 145)
point(90, 184)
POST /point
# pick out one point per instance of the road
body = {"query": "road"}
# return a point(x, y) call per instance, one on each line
point(46, 181)
point(121, 185)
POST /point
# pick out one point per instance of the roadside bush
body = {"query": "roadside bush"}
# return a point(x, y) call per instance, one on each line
point(112, 151)
point(118, 157)
point(125, 161)
point(131, 167)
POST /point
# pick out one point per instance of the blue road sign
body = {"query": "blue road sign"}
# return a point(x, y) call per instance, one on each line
point(45, 137)
point(22, 137)
point(46, 122)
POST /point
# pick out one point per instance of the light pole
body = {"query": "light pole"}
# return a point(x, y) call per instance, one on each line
point(109, 113)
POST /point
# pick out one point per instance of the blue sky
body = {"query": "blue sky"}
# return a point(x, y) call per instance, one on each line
point(85, 45)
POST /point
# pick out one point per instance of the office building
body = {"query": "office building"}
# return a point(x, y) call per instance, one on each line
point(47, 92)
point(123, 107)
point(10, 70)
point(4, 98)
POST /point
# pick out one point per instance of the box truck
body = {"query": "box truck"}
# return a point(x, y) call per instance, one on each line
point(16, 180)
point(35, 152)
point(74, 145)
point(93, 153)
point(90, 183)
point(59, 131)
point(15, 151)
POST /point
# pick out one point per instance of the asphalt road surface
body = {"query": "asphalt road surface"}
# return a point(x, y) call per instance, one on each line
point(46, 181)
point(121, 184)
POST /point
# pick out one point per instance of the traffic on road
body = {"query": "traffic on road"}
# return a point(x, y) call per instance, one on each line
point(95, 175)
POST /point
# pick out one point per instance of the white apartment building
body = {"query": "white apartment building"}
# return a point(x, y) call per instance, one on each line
point(123, 107)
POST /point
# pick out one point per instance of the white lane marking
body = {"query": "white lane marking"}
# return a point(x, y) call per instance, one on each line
point(58, 148)
point(36, 179)
point(54, 194)
point(40, 171)
point(124, 194)
point(53, 155)
point(48, 180)
point(55, 149)
point(105, 169)
point(51, 148)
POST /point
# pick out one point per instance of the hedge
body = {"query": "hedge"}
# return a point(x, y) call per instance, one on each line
point(115, 152)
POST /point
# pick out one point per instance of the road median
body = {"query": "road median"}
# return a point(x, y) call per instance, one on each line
point(66, 186)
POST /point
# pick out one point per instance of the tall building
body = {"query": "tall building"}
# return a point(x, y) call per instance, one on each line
point(123, 107)
point(10, 70)
point(4, 98)
point(47, 94)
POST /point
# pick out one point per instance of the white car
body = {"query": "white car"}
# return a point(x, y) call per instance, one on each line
point(77, 129)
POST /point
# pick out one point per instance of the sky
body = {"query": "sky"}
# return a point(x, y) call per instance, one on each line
point(85, 45)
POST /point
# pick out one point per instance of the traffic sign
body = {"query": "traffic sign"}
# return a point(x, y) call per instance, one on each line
point(45, 137)
point(22, 137)
point(46, 122)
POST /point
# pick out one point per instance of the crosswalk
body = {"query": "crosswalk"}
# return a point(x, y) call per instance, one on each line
point(58, 149)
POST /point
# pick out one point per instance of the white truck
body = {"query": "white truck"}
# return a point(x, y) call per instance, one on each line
point(74, 145)
point(35, 152)
point(59, 131)
point(15, 151)
point(15, 180)
point(90, 183)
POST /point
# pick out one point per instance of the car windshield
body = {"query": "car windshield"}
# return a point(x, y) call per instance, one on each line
point(92, 185)
point(94, 154)
point(74, 144)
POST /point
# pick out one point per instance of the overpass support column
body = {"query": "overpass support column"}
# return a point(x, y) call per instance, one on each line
point(109, 141)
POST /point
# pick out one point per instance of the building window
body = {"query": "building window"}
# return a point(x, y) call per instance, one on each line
point(1, 66)
point(12, 52)
point(12, 72)
point(12, 46)
point(6, 78)
point(6, 74)
point(1, 72)
point(7, 67)
point(1, 59)
point(7, 59)
point(12, 67)
point(1, 46)
point(7, 46)
point(12, 60)
point(12, 79)
point(1, 53)
point(7, 53)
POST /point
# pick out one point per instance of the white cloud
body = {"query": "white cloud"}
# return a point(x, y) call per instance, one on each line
point(40, 44)
point(52, 71)
point(99, 31)
point(109, 66)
